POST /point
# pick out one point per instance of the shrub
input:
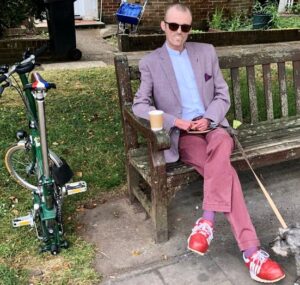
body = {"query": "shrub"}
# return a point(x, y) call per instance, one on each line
point(217, 20)
point(296, 9)
point(14, 12)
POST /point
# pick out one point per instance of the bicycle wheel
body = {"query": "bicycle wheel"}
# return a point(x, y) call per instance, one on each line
point(19, 163)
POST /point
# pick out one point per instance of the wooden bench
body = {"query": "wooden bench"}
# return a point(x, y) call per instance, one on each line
point(266, 138)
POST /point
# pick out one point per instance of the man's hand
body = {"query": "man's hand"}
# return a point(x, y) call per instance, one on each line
point(183, 124)
point(200, 125)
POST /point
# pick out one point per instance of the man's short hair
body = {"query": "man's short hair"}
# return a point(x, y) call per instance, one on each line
point(180, 7)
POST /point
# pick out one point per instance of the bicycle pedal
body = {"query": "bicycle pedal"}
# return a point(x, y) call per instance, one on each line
point(23, 221)
point(75, 187)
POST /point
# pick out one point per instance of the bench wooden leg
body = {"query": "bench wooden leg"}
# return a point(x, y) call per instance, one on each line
point(159, 201)
point(133, 179)
point(160, 217)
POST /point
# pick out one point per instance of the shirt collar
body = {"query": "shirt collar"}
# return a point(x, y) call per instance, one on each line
point(175, 52)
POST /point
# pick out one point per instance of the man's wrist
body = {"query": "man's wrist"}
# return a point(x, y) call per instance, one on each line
point(211, 123)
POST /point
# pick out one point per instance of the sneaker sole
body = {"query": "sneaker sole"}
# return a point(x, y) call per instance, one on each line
point(198, 252)
point(266, 281)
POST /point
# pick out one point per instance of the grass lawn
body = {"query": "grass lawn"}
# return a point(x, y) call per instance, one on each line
point(84, 126)
point(289, 21)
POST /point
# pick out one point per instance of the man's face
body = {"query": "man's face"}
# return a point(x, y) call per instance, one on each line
point(176, 39)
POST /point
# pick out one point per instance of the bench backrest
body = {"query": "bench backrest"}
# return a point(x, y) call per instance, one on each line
point(270, 76)
point(276, 68)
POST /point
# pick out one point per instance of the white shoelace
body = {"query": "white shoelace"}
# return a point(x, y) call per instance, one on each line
point(205, 228)
point(259, 258)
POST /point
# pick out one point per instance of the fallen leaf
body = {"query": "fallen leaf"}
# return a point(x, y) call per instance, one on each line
point(15, 212)
point(164, 257)
point(14, 199)
point(136, 253)
point(80, 210)
point(78, 174)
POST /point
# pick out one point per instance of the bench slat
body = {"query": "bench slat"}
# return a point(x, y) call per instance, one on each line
point(246, 58)
point(266, 157)
point(235, 79)
point(252, 93)
point(268, 90)
point(178, 174)
point(282, 88)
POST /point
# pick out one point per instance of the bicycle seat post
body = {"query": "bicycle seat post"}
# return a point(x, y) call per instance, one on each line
point(40, 99)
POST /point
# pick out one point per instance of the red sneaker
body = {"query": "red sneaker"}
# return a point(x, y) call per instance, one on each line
point(201, 236)
point(262, 268)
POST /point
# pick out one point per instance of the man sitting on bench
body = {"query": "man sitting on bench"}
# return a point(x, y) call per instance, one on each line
point(184, 80)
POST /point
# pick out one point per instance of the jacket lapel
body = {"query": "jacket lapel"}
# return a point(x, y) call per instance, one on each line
point(195, 60)
point(167, 67)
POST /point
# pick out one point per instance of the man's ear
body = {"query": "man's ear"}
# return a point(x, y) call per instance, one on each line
point(163, 25)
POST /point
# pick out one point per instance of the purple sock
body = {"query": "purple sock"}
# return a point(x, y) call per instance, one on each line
point(249, 251)
point(209, 216)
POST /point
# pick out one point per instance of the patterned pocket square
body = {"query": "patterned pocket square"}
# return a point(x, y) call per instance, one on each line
point(207, 77)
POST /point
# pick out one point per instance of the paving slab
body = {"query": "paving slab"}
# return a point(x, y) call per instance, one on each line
point(204, 271)
point(127, 254)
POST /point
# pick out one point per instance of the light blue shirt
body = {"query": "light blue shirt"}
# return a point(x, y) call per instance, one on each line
point(192, 105)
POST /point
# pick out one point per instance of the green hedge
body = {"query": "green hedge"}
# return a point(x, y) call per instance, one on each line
point(14, 12)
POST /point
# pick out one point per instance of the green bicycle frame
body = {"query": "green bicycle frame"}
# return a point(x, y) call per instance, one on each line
point(33, 165)
point(35, 105)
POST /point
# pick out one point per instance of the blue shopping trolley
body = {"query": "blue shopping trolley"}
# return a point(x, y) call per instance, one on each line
point(129, 14)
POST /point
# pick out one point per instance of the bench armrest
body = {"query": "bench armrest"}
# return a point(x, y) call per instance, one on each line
point(160, 140)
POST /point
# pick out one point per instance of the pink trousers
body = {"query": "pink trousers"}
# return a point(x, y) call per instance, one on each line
point(210, 155)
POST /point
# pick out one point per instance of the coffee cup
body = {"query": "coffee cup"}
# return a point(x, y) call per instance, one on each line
point(156, 120)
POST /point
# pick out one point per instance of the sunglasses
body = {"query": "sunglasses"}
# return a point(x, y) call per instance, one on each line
point(174, 27)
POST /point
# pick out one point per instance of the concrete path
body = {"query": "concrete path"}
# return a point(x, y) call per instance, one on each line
point(127, 254)
point(96, 51)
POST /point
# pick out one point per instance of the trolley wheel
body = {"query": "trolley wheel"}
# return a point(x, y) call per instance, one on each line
point(75, 54)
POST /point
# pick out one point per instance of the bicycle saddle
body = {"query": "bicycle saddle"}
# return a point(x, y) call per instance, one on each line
point(39, 83)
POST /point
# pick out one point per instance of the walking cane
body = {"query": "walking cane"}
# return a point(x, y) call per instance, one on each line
point(236, 124)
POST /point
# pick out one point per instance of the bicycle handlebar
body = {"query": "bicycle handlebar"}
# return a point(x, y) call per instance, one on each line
point(24, 68)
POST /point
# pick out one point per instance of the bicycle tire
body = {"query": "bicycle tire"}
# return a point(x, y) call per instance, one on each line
point(18, 158)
